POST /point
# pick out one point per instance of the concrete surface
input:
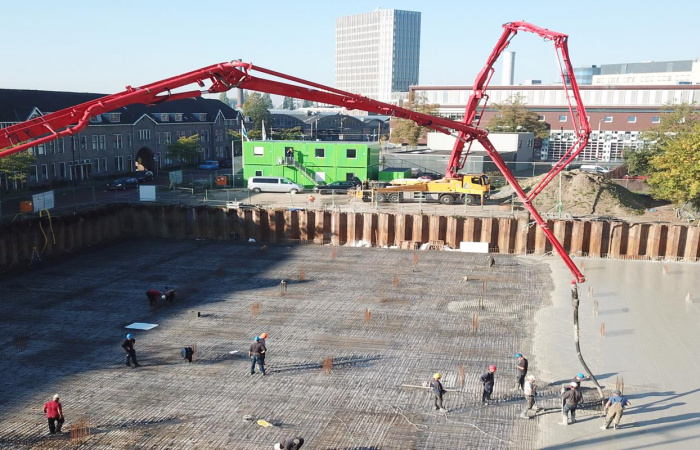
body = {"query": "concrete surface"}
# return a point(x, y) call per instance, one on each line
point(651, 343)
point(62, 326)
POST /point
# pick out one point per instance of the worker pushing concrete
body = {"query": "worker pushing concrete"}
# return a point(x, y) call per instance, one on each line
point(153, 296)
point(256, 351)
point(521, 370)
point(437, 390)
point(614, 407)
point(530, 391)
point(489, 382)
point(572, 397)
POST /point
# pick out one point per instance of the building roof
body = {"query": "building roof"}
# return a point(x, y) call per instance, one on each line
point(16, 105)
point(647, 67)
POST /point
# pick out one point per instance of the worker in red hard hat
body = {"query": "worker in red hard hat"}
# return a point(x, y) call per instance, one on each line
point(262, 341)
point(488, 381)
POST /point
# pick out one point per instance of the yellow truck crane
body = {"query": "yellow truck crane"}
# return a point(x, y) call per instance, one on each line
point(469, 189)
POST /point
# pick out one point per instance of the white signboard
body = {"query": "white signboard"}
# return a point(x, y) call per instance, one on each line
point(147, 193)
point(43, 200)
point(474, 247)
point(176, 177)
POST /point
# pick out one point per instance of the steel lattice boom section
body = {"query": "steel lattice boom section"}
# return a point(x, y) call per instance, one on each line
point(236, 74)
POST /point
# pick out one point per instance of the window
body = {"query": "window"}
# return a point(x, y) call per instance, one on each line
point(52, 147)
point(144, 134)
point(166, 137)
point(62, 169)
point(44, 172)
point(540, 118)
point(631, 119)
point(258, 173)
point(94, 142)
point(656, 119)
point(60, 148)
point(178, 117)
point(202, 116)
point(117, 141)
point(562, 118)
point(158, 137)
point(33, 174)
point(83, 142)
point(119, 163)
point(204, 136)
point(608, 119)
point(103, 145)
point(53, 170)
point(96, 165)
point(351, 153)
point(320, 153)
point(520, 144)
point(164, 117)
point(128, 139)
point(114, 117)
point(104, 164)
point(258, 151)
point(41, 149)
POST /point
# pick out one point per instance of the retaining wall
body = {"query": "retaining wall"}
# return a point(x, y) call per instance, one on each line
point(22, 241)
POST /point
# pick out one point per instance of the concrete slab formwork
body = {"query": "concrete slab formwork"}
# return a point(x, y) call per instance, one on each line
point(385, 317)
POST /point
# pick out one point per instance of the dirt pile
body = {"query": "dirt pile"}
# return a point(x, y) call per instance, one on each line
point(582, 193)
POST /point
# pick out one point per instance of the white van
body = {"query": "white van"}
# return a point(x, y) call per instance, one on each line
point(594, 168)
point(273, 184)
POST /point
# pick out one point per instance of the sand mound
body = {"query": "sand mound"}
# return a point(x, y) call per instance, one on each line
point(582, 193)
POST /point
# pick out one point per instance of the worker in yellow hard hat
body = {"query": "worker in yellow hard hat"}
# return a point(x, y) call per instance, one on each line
point(438, 390)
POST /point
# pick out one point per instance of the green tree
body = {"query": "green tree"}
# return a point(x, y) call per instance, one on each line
point(676, 167)
point(268, 101)
point(288, 103)
point(185, 149)
point(675, 119)
point(256, 109)
point(408, 131)
point(307, 104)
point(639, 161)
point(223, 98)
point(515, 117)
point(16, 167)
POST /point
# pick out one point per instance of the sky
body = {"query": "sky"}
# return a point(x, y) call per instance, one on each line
point(88, 46)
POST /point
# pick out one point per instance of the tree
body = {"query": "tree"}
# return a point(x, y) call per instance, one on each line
point(185, 149)
point(515, 117)
point(676, 168)
point(268, 101)
point(256, 109)
point(223, 98)
point(639, 161)
point(307, 104)
point(408, 131)
point(16, 166)
point(288, 103)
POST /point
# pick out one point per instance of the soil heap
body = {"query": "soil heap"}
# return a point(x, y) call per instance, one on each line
point(582, 193)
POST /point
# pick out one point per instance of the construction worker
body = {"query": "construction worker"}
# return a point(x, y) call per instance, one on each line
point(54, 414)
point(262, 341)
point(521, 369)
point(169, 295)
point(294, 443)
point(530, 391)
point(614, 407)
point(128, 346)
point(438, 390)
point(153, 296)
point(488, 381)
point(572, 397)
point(256, 351)
point(577, 379)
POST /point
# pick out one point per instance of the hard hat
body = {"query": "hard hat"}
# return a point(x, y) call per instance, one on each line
point(128, 336)
point(162, 297)
point(573, 384)
point(617, 392)
point(257, 339)
point(518, 355)
point(531, 378)
point(264, 335)
point(580, 375)
point(278, 446)
point(492, 367)
point(437, 376)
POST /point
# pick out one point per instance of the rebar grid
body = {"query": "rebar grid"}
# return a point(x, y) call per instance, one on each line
point(418, 326)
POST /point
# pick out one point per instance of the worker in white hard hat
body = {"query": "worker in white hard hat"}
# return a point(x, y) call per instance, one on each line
point(438, 390)
point(294, 443)
point(530, 391)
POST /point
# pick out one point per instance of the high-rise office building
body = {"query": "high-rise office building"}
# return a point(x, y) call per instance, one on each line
point(377, 53)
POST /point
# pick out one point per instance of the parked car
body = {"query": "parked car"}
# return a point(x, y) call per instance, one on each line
point(143, 175)
point(593, 168)
point(209, 165)
point(337, 187)
point(273, 184)
point(123, 184)
point(225, 163)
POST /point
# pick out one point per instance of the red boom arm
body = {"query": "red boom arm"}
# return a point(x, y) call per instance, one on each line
point(225, 76)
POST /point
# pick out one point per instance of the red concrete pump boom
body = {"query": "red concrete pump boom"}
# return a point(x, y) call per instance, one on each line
point(225, 76)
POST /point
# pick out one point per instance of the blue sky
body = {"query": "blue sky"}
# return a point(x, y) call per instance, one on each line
point(90, 46)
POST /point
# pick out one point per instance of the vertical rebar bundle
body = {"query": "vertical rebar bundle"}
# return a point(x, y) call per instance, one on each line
point(396, 280)
point(461, 378)
point(21, 342)
point(595, 307)
point(602, 329)
point(620, 384)
point(475, 323)
point(79, 430)
point(302, 275)
point(368, 315)
point(283, 287)
point(327, 365)
point(255, 308)
point(415, 258)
